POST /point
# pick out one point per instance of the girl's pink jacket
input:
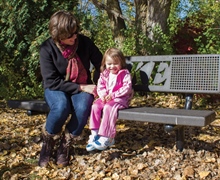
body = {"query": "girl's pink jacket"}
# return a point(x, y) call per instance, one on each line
point(122, 91)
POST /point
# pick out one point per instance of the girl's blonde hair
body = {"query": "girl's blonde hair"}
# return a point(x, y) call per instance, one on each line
point(115, 54)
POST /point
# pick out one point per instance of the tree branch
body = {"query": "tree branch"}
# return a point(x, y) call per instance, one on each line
point(102, 6)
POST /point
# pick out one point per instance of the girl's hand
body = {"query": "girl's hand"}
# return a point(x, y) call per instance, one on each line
point(103, 99)
point(108, 98)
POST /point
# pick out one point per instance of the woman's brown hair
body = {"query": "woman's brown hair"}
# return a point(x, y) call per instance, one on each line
point(62, 24)
point(115, 54)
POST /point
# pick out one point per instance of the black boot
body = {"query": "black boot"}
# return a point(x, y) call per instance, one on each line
point(47, 147)
point(63, 155)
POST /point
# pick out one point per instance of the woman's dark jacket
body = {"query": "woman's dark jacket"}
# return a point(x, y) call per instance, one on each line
point(53, 65)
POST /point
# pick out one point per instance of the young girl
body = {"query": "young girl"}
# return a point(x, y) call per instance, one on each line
point(114, 90)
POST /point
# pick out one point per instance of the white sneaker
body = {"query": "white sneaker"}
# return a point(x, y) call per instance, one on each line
point(92, 139)
point(103, 145)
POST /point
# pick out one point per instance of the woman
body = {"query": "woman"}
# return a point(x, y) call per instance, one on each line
point(65, 60)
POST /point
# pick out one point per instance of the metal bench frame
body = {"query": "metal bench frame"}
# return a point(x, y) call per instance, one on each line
point(185, 74)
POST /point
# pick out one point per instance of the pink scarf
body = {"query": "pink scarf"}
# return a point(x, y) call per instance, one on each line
point(75, 71)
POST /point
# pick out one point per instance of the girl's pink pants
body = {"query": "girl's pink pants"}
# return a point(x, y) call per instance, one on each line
point(104, 116)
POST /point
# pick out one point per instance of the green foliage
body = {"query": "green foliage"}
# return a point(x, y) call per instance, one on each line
point(129, 47)
point(208, 41)
point(173, 19)
point(102, 33)
point(161, 44)
point(139, 44)
point(24, 26)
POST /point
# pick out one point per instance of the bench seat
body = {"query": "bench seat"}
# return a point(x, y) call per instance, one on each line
point(31, 106)
point(182, 117)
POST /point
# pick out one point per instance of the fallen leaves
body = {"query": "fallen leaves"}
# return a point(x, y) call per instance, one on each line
point(142, 150)
point(189, 172)
point(204, 174)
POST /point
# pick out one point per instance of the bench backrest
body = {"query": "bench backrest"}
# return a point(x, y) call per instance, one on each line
point(176, 73)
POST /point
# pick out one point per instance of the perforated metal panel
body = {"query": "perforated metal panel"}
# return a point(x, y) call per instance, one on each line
point(195, 73)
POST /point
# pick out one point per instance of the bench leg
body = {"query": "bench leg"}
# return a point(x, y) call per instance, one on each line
point(32, 113)
point(180, 131)
point(180, 138)
point(188, 101)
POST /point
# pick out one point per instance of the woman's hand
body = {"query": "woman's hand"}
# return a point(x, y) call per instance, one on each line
point(89, 88)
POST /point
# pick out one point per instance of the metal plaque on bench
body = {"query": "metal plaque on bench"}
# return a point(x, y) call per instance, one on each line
point(178, 73)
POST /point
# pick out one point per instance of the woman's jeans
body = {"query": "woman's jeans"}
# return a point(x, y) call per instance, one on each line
point(61, 105)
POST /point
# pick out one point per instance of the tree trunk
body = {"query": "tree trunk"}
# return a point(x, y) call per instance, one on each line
point(140, 22)
point(149, 14)
point(116, 22)
point(157, 15)
point(141, 15)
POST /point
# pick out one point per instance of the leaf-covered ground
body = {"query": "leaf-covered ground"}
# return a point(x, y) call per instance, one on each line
point(142, 150)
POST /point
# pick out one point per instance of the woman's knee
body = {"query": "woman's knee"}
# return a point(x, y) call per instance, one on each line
point(83, 102)
point(60, 107)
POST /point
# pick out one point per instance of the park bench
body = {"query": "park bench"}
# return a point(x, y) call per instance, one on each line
point(185, 74)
